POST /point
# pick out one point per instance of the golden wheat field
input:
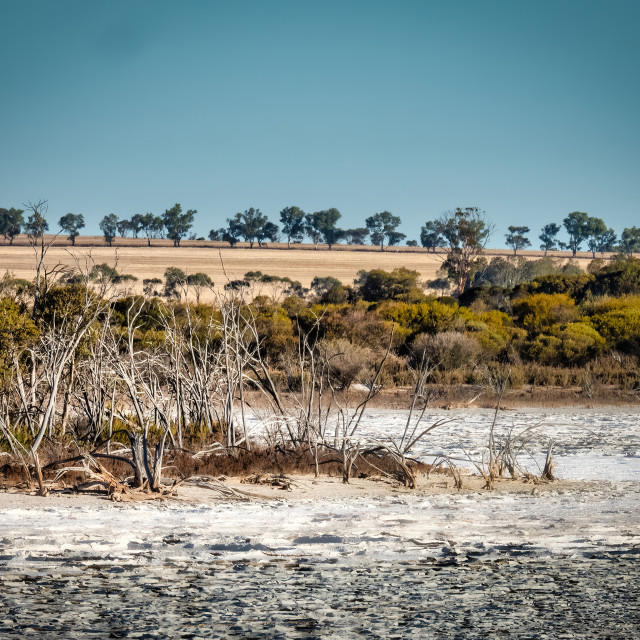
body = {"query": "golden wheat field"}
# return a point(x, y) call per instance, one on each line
point(223, 263)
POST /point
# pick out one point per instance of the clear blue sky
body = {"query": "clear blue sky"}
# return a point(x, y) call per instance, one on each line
point(528, 110)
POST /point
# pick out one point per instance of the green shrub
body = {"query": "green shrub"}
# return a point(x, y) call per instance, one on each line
point(617, 320)
point(400, 284)
point(541, 311)
point(579, 343)
point(574, 285)
point(430, 316)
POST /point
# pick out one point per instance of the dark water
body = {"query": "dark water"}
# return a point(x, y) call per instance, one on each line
point(517, 595)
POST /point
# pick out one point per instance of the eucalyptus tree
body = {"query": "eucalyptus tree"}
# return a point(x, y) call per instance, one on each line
point(250, 226)
point(382, 226)
point(71, 224)
point(136, 224)
point(152, 226)
point(356, 236)
point(37, 224)
point(123, 226)
point(235, 228)
point(548, 238)
point(11, 222)
point(630, 240)
point(268, 231)
point(466, 232)
point(109, 228)
point(431, 235)
point(174, 281)
point(323, 225)
point(576, 225)
point(177, 223)
point(517, 238)
point(225, 235)
point(607, 241)
point(311, 230)
point(293, 224)
point(599, 237)
point(199, 282)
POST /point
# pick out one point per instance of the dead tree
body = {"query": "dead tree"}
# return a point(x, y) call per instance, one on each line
point(400, 450)
point(50, 360)
point(145, 404)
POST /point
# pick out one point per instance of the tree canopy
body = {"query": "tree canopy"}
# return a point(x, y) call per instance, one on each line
point(466, 232)
point(358, 235)
point(11, 222)
point(548, 237)
point(174, 280)
point(152, 226)
point(71, 223)
point(382, 226)
point(576, 225)
point(431, 235)
point(517, 238)
point(252, 226)
point(324, 223)
point(109, 228)
point(630, 240)
point(293, 223)
point(199, 282)
point(177, 223)
point(36, 225)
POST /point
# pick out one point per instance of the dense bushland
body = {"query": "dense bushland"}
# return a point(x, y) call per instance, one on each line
point(124, 379)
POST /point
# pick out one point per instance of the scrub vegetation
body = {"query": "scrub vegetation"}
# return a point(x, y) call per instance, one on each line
point(99, 386)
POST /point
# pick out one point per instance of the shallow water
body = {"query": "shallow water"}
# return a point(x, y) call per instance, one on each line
point(565, 564)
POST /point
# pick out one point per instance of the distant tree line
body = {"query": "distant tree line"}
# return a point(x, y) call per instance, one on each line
point(459, 229)
point(580, 227)
point(320, 227)
point(173, 224)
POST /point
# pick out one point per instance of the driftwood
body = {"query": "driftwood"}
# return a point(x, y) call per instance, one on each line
point(217, 485)
point(279, 481)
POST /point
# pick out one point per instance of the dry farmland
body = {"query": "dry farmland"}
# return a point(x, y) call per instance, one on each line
point(223, 263)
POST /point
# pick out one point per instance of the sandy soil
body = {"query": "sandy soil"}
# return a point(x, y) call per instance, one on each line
point(223, 263)
point(305, 487)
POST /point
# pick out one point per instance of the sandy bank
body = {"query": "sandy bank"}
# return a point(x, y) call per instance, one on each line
point(300, 488)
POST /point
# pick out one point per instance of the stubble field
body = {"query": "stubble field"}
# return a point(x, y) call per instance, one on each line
point(222, 263)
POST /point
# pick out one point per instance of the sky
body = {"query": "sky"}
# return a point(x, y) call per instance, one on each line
point(527, 110)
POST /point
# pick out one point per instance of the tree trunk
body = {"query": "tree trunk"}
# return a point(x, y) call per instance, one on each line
point(137, 456)
point(38, 469)
point(65, 404)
